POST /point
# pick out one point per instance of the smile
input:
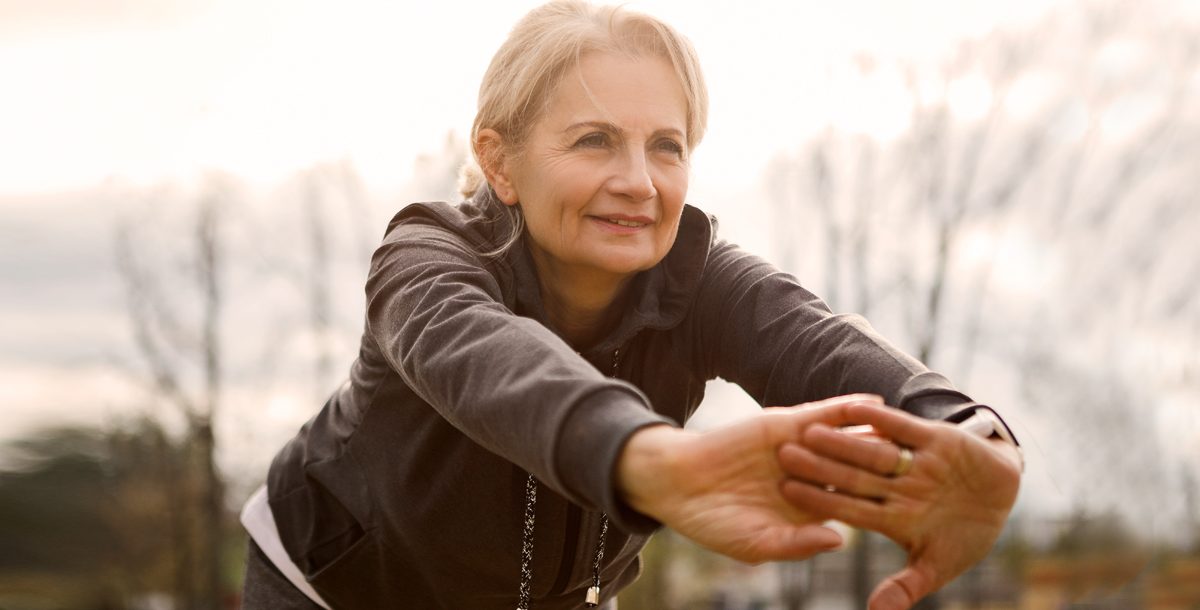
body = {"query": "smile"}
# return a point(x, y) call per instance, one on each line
point(635, 222)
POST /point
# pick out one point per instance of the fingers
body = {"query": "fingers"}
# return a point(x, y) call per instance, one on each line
point(833, 411)
point(796, 543)
point(858, 512)
point(846, 400)
point(903, 428)
point(801, 463)
point(857, 409)
point(881, 458)
point(901, 590)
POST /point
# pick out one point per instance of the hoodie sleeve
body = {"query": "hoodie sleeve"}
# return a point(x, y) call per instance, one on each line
point(507, 382)
point(759, 328)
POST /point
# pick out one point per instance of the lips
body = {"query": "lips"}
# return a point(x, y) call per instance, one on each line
point(622, 220)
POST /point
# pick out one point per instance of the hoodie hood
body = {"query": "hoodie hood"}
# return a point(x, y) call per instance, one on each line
point(660, 297)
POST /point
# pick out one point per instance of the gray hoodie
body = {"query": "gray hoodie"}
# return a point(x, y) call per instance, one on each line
point(407, 490)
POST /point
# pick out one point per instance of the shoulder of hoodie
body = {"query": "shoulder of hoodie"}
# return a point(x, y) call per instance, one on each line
point(464, 221)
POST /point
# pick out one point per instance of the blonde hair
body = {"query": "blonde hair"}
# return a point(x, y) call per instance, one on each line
point(547, 43)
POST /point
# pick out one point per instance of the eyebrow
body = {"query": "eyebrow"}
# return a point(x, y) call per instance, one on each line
point(609, 127)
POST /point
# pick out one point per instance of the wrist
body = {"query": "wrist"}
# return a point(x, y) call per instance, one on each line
point(1014, 452)
point(644, 468)
point(985, 423)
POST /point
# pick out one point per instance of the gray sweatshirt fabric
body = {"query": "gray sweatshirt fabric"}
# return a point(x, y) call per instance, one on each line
point(407, 489)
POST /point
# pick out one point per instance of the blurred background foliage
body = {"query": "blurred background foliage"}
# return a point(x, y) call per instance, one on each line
point(107, 518)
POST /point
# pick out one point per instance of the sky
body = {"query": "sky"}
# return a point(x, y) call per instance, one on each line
point(145, 92)
point(147, 89)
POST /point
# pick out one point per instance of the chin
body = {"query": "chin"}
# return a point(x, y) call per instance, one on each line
point(628, 266)
point(621, 259)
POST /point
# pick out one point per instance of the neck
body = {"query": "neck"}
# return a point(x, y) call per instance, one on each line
point(581, 306)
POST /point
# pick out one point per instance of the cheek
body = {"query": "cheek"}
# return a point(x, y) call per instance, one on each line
point(564, 190)
point(673, 183)
point(673, 191)
point(551, 214)
point(575, 186)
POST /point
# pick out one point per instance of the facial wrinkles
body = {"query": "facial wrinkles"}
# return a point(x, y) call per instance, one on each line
point(628, 114)
point(638, 103)
point(635, 157)
point(556, 158)
point(635, 116)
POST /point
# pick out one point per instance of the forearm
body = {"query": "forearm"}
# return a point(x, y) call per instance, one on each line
point(760, 328)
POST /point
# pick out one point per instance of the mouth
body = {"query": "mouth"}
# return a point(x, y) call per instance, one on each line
point(619, 220)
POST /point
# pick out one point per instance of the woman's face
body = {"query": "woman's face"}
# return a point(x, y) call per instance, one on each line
point(603, 175)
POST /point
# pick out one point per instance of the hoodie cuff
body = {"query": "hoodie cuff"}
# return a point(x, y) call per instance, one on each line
point(589, 445)
point(931, 396)
point(1000, 427)
point(938, 406)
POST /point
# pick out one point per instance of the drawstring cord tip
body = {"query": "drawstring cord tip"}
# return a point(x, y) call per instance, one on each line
point(593, 597)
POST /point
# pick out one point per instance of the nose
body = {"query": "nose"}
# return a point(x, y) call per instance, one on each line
point(632, 179)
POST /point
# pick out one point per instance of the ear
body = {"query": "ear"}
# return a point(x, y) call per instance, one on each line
point(495, 163)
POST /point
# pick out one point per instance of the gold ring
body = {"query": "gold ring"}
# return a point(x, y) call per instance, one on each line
point(905, 464)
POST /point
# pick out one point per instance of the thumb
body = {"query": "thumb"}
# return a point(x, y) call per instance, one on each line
point(901, 590)
point(795, 543)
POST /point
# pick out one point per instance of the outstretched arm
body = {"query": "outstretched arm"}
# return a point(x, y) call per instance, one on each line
point(760, 328)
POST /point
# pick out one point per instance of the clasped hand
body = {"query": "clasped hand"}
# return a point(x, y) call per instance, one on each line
point(760, 489)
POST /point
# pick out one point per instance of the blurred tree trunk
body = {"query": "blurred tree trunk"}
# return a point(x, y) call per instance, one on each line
point(796, 582)
point(318, 282)
point(176, 353)
point(860, 575)
point(210, 261)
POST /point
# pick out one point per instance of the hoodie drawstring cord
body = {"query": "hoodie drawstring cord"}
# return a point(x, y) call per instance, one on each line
point(593, 593)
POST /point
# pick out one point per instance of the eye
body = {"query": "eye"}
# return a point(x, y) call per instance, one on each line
point(597, 139)
point(671, 146)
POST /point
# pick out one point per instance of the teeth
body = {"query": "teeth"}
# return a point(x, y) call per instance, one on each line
point(625, 223)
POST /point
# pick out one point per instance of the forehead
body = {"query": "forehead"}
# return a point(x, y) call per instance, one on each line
point(632, 93)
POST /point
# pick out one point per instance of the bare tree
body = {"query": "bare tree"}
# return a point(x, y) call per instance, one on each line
point(184, 370)
point(319, 291)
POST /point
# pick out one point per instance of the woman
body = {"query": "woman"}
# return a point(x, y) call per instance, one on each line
point(510, 433)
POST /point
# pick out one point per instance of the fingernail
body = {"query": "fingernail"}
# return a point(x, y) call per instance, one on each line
point(836, 544)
